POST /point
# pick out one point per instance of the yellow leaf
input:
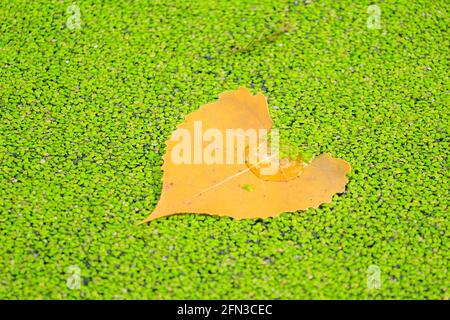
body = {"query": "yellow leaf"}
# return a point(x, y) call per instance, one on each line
point(212, 183)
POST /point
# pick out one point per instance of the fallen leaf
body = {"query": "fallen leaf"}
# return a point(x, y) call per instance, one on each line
point(238, 189)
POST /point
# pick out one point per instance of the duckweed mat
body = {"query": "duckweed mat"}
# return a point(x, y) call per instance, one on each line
point(90, 92)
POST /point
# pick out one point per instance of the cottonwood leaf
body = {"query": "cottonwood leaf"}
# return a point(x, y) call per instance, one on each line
point(238, 189)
